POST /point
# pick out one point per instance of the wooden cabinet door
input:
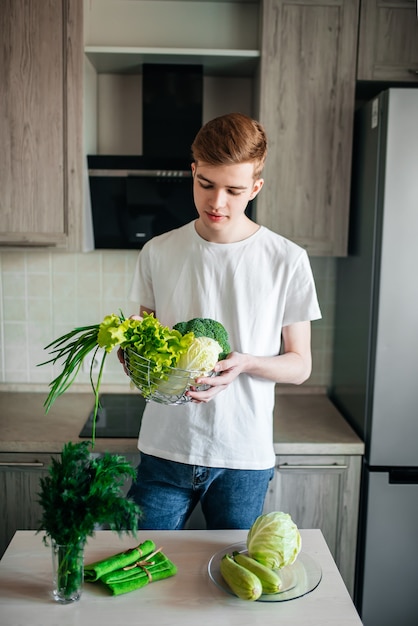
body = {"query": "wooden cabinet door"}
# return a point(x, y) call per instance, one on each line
point(307, 96)
point(388, 41)
point(19, 486)
point(41, 122)
point(321, 492)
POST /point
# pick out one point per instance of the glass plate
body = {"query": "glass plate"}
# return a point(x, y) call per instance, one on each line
point(298, 579)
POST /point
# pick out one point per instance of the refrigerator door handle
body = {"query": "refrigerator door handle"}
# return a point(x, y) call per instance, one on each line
point(332, 466)
point(405, 476)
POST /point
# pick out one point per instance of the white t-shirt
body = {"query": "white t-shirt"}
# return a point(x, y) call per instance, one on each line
point(253, 287)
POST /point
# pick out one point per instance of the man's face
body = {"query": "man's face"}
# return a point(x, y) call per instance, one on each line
point(221, 195)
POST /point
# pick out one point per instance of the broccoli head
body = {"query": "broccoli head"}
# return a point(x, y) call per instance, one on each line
point(206, 327)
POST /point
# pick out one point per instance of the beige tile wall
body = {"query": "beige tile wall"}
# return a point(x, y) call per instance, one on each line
point(44, 295)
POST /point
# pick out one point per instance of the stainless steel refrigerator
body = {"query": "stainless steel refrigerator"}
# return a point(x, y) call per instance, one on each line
point(375, 379)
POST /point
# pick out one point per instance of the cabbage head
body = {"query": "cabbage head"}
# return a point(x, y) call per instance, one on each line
point(274, 540)
point(201, 356)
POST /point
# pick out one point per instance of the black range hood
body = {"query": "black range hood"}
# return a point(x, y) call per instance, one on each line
point(172, 105)
point(134, 198)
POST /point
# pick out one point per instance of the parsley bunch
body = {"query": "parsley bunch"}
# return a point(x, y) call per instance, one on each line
point(81, 491)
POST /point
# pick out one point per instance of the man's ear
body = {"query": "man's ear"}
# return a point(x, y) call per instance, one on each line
point(193, 168)
point(256, 187)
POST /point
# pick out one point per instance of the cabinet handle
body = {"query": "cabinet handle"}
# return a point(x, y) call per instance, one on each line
point(21, 464)
point(412, 71)
point(332, 466)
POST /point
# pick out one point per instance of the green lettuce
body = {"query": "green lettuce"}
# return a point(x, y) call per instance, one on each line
point(157, 343)
point(274, 540)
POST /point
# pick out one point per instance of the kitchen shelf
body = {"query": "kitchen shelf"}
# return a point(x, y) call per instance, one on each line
point(129, 60)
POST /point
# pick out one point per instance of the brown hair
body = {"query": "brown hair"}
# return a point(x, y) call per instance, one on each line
point(230, 139)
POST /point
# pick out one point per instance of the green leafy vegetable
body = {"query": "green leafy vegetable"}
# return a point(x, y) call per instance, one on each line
point(82, 490)
point(207, 327)
point(274, 540)
point(161, 345)
point(152, 353)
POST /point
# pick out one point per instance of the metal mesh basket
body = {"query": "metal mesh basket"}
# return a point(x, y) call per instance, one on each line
point(170, 388)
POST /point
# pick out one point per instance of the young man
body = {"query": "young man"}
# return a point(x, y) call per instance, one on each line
point(218, 447)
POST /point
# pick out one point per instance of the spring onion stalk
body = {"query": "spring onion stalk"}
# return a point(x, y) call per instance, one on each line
point(74, 347)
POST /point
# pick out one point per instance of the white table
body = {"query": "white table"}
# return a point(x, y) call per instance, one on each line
point(189, 598)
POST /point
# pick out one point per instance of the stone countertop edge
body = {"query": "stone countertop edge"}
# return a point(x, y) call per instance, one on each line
point(305, 422)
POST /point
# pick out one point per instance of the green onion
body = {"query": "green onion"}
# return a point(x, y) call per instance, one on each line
point(74, 348)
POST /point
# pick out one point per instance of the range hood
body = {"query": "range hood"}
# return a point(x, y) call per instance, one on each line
point(172, 105)
point(134, 198)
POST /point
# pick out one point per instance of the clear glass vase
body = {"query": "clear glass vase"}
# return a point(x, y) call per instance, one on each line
point(68, 572)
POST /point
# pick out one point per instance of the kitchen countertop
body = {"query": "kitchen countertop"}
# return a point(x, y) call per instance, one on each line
point(305, 422)
point(186, 599)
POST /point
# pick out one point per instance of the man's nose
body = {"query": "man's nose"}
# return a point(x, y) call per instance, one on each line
point(218, 198)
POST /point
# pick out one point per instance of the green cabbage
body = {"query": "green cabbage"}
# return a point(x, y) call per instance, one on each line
point(201, 356)
point(274, 540)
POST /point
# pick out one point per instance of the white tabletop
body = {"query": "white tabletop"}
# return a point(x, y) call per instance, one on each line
point(189, 598)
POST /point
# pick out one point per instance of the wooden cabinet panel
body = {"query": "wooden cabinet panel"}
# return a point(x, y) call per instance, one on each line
point(19, 486)
point(41, 122)
point(321, 492)
point(307, 85)
point(388, 41)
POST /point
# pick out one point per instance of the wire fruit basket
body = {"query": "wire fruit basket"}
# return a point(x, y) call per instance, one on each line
point(167, 388)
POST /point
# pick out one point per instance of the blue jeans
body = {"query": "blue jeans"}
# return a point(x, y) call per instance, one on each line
point(167, 492)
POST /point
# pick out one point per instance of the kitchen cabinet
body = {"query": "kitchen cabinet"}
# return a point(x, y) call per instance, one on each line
point(321, 491)
point(388, 41)
point(19, 486)
point(41, 171)
point(307, 98)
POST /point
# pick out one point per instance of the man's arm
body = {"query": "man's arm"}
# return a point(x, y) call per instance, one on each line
point(292, 366)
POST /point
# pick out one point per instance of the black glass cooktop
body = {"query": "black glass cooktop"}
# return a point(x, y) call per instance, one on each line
point(119, 416)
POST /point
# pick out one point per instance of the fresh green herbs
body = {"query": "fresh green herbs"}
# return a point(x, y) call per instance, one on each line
point(83, 490)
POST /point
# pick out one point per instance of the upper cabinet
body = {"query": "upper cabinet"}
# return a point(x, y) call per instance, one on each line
point(388, 41)
point(41, 123)
point(307, 97)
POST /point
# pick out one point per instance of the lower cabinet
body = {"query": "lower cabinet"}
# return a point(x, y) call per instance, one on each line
point(19, 486)
point(321, 492)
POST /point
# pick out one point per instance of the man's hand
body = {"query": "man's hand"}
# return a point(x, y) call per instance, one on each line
point(226, 372)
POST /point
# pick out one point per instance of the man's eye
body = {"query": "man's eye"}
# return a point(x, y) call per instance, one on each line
point(232, 192)
point(205, 186)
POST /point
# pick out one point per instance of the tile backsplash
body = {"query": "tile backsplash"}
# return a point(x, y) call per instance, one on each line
point(46, 294)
